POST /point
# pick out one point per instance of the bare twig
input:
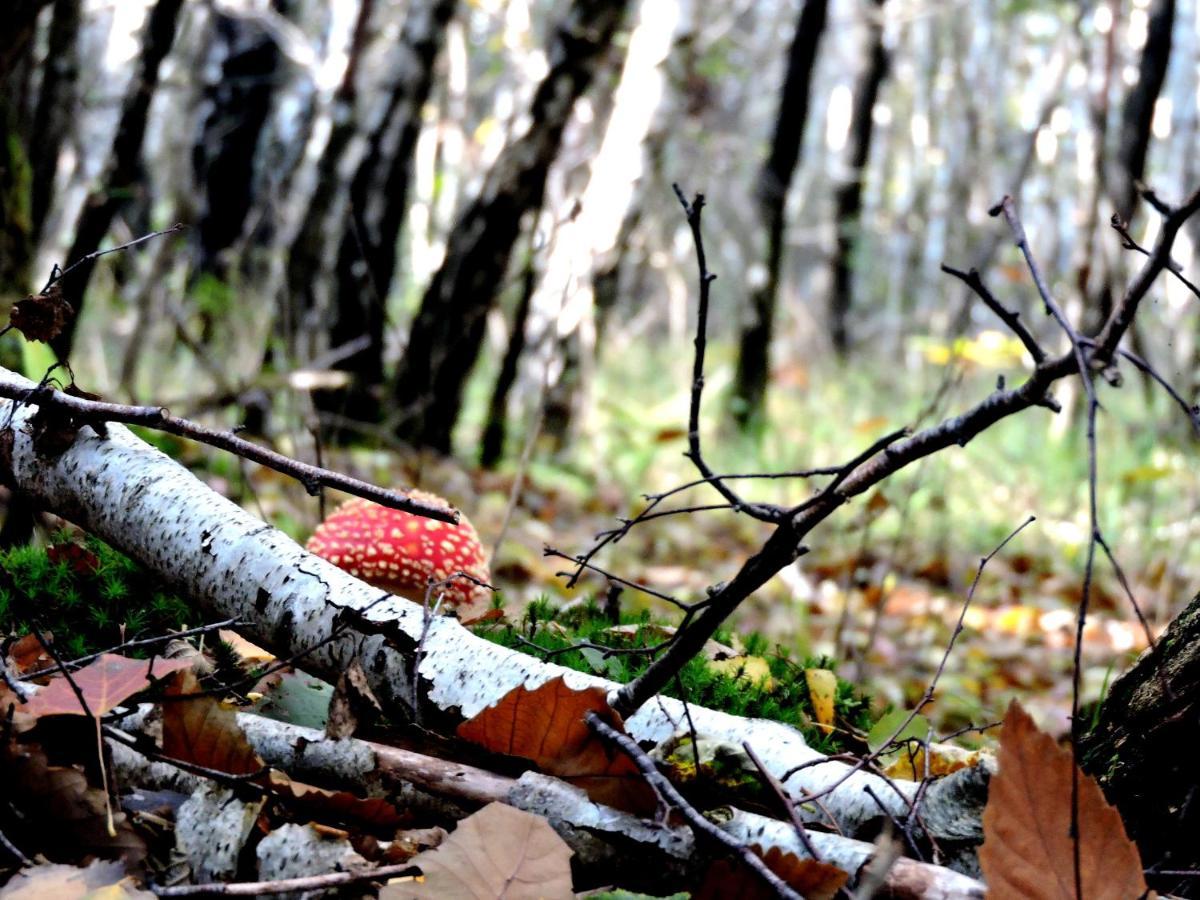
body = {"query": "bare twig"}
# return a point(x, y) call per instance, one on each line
point(762, 512)
point(97, 412)
point(702, 826)
point(1012, 319)
point(287, 885)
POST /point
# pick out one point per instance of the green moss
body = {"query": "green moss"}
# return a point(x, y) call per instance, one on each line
point(86, 594)
point(563, 636)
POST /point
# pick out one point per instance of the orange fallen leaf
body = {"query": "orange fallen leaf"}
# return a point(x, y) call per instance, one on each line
point(1028, 852)
point(546, 726)
point(105, 683)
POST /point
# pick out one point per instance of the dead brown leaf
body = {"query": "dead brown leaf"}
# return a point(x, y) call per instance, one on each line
point(1028, 851)
point(41, 317)
point(353, 701)
point(105, 683)
point(546, 726)
point(497, 852)
point(810, 879)
point(202, 731)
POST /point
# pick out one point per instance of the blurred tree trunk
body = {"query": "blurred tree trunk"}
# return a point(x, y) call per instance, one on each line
point(446, 335)
point(1128, 164)
point(16, 227)
point(55, 108)
point(754, 348)
point(226, 147)
point(123, 171)
point(495, 431)
point(378, 204)
point(848, 197)
point(1143, 750)
point(306, 258)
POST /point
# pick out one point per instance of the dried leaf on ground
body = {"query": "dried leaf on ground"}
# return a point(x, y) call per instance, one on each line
point(910, 764)
point(546, 726)
point(202, 731)
point(99, 881)
point(811, 879)
point(324, 805)
point(105, 683)
point(26, 654)
point(1028, 851)
point(353, 701)
point(497, 852)
point(64, 816)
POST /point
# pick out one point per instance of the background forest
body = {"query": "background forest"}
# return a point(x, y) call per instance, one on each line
point(439, 243)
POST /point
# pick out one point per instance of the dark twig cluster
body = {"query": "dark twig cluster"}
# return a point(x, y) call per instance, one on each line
point(886, 456)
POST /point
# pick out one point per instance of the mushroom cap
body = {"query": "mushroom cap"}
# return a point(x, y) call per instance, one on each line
point(403, 553)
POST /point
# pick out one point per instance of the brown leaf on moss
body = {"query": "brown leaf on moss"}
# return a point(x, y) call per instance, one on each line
point(809, 878)
point(42, 317)
point(203, 731)
point(1028, 851)
point(105, 683)
point(497, 852)
point(546, 726)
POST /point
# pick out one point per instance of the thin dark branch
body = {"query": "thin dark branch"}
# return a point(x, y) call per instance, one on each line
point(1127, 241)
point(97, 412)
point(132, 645)
point(1012, 319)
point(58, 274)
point(789, 808)
point(584, 564)
point(763, 512)
point(702, 826)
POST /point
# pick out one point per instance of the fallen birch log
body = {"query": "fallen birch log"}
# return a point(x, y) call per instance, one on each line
point(600, 836)
point(232, 564)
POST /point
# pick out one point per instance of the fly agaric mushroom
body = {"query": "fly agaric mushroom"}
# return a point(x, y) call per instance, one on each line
point(403, 553)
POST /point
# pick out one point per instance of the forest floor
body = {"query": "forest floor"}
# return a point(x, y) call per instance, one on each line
point(886, 579)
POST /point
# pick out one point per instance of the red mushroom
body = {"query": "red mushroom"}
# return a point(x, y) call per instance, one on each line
point(403, 553)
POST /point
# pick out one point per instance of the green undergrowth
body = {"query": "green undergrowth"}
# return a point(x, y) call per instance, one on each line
point(739, 688)
point(84, 593)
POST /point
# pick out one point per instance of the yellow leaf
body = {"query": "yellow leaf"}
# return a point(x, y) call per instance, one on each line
point(943, 759)
point(754, 669)
point(822, 688)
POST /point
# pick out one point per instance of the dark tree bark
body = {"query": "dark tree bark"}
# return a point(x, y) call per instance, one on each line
point(1133, 138)
point(55, 108)
point(1143, 751)
point(495, 432)
point(20, 19)
point(124, 165)
point(309, 249)
point(378, 203)
point(448, 330)
point(223, 156)
point(753, 365)
point(848, 198)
